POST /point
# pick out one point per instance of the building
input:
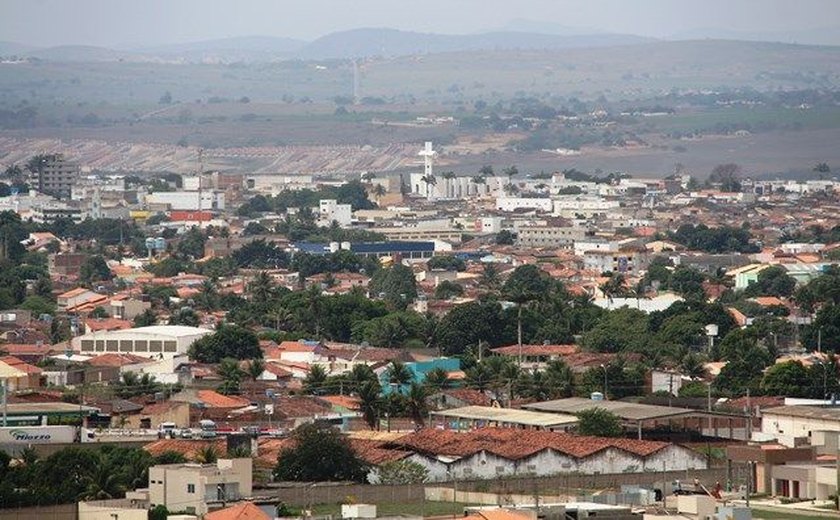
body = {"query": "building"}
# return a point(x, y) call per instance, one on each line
point(191, 487)
point(78, 297)
point(56, 176)
point(162, 341)
point(187, 200)
point(549, 236)
point(471, 417)
point(799, 421)
point(329, 211)
point(626, 261)
point(395, 249)
point(489, 453)
point(510, 204)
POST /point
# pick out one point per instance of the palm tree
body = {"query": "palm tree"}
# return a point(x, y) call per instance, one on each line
point(280, 317)
point(510, 188)
point(479, 377)
point(511, 172)
point(315, 380)
point(370, 402)
point(399, 374)
point(207, 454)
point(261, 288)
point(256, 368)
point(417, 404)
point(361, 374)
point(429, 180)
point(231, 376)
point(368, 177)
point(559, 379)
point(436, 379)
point(207, 298)
point(489, 277)
point(102, 484)
point(379, 191)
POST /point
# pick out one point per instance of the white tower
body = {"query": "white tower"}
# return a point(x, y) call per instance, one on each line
point(428, 155)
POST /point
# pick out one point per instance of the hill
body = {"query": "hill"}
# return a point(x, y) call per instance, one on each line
point(359, 43)
point(246, 48)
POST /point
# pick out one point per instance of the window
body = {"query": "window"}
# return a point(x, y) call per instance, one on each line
point(190, 488)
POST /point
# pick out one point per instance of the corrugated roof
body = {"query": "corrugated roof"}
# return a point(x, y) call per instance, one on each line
point(509, 415)
point(626, 411)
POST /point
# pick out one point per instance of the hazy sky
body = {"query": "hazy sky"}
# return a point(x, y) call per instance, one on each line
point(137, 22)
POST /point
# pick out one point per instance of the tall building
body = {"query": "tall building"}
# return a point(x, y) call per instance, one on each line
point(56, 176)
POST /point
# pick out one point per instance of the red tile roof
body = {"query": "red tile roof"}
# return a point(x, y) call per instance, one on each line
point(241, 511)
point(116, 360)
point(98, 324)
point(214, 399)
point(189, 448)
point(20, 365)
point(469, 396)
point(514, 444)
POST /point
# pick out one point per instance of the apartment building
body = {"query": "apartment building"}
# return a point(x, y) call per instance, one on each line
point(56, 176)
point(550, 236)
point(191, 487)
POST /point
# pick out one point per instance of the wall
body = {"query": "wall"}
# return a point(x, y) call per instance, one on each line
point(106, 509)
point(796, 426)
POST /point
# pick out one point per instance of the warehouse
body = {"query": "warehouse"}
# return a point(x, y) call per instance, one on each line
point(469, 417)
point(501, 452)
point(157, 341)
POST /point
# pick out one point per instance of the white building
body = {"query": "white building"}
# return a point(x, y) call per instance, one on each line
point(188, 200)
point(549, 236)
point(156, 341)
point(330, 211)
point(571, 207)
point(510, 204)
point(190, 487)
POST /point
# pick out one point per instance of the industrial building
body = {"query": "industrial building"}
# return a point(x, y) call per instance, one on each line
point(157, 341)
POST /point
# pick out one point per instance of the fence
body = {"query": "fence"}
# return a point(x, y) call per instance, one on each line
point(568, 484)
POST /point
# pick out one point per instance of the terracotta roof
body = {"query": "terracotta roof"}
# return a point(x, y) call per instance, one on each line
point(213, 399)
point(241, 511)
point(116, 360)
point(371, 451)
point(72, 293)
point(342, 401)
point(19, 349)
point(514, 444)
point(97, 324)
point(469, 396)
point(768, 301)
point(189, 448)
point(536, 350)
point(300, 406)
point(20, 365)
point(295, 346)
point(496, 514)
point(162, 407)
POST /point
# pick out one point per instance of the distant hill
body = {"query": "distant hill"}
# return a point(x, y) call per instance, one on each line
point(392, 42)
point(821, 36)
point(15, 49)
point(82, 53)
point(246, 48)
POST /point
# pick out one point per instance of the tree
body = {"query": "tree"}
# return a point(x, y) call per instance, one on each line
point(727, 176)
point(789, 379)
point(824, 331)
point(315, 379)
point(231, 376)
point(447, 290)
point(145, 318)
point(436, 379)
point(399, 374)
point(229, 341)
point(207, 455)
point(261, 289)
point(370, 401)
point(621, 330)
point(510, 172)
point(94, 269)
point(447, 262)
point(772, 281)
point(256, 368)
point(318, 455)
point(416, 403)
point(599, 422)
point(396, 285)
point(504, 238)
point(527, 283)
point(428, 180)
point(399, 472)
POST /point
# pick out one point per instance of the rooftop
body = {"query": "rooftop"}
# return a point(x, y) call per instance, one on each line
point(808, 412)
point(625, 410)
point(509, 415)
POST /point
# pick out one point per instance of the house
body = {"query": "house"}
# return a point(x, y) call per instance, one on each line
point(458, 398)
point(73, 299)
point(30, 378)
point(799, 421)
point(152, 415)
point(193, 487)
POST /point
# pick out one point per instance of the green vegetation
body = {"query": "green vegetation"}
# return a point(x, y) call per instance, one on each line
point(318, 455)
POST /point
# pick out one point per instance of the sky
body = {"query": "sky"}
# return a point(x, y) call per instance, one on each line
point(126, 23)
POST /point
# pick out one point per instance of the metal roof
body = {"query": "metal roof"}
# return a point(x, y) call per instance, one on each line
point(626, 411)
point(49, 409)
point(509, 415)
point(809, 412)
